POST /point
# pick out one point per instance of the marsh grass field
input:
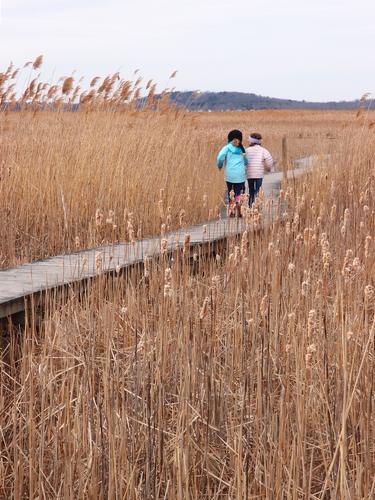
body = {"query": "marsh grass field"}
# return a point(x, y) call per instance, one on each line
point(97, 176)
point(247, 375)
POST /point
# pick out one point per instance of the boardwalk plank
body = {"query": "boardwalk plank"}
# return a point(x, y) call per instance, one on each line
point(18, 283)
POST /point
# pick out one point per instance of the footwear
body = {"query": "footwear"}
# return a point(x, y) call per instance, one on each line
point(231, 209)
point(238, 210)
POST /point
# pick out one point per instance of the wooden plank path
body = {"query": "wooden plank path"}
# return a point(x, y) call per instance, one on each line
point(19, 284)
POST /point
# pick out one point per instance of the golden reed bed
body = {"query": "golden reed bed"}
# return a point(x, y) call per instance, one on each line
point(247, 375)
point(112, 172)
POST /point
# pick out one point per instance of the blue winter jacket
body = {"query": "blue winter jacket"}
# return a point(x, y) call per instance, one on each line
point(235, 163)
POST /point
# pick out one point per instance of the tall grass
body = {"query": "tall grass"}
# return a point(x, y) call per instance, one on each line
point(119, 168)
point(249, 375)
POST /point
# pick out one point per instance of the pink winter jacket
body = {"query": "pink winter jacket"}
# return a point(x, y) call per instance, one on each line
point(260, 159)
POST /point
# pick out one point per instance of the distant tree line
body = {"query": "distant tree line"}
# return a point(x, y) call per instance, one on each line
point(241, 101)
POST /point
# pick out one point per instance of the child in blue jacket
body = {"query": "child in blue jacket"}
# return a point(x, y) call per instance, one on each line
point(236, 161)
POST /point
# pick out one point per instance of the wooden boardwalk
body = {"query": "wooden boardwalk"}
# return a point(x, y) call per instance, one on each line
point(19, 284)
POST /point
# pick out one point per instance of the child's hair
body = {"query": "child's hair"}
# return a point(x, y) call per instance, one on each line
point(255, 138)
point(255, 135)
point(235, 134)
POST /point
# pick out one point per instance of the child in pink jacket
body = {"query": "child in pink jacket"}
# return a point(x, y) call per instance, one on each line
point(260, 160)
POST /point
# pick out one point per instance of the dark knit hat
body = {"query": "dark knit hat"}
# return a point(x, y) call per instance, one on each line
point(235, 134)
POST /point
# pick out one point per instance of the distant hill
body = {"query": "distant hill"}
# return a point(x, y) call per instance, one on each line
point(241, 101)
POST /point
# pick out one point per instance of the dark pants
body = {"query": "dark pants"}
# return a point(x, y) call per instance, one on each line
point(254, 186)
point(238, 188)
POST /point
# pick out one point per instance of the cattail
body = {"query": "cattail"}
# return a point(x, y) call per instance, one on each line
point(333, 213)
point(307, 233)
point(309, 355)
point(280, 198)
point(204, 309)
point(367, 245)
point(346, 216)
point(311, 348)
point(163, 246)
point(123, 310)
point(118, 269)
point(99, 262)
point(130, 228)
point(347, 266)
point(162, 230)
point(357, 265)
point(176, 242)
point(257, 218)
point(291, 319)
point(369, 294)
point(182, 217)
point(161, 208)
point(169, 218)
point(298, 239)
point(99, 217)
point(247, 214)
point(110, 217)
point(324, 243)
point(319, 289)
point(311, 322)
point(236, 255)
point(147, 266)
point(327, 258)
point(168, 291)
point(244, 244)
point(295, 221)
point(216, 282)
point(305, 288)
point(186, 247)
point(77, 242)
point(205, 198)
point(264, 306)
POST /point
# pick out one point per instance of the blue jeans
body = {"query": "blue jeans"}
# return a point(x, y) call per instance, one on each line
point(254, 186)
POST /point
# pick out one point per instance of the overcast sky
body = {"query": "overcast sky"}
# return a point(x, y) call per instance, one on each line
point(300, 49)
